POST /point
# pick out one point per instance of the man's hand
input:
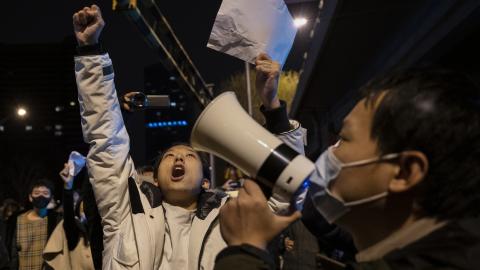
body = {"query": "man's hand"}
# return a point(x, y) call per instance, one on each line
point(248, 220)
point(268, 72)
point(88, 24)
point(288, 244)
point(125, 101)
point(66, 177)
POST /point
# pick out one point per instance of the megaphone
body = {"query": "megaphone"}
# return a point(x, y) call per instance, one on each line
point(227, 131)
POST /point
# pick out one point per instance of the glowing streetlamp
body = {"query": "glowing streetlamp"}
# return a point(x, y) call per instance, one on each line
point(299, 22)
point(22, 112)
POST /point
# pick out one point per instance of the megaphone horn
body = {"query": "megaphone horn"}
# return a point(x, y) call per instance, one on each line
point(227, 131)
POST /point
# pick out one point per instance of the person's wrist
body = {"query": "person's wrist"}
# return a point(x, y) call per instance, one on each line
point(87, 42)
point(258, 243)
point(82, 43)
point(272, 104)
point(93, 49)
point(68, 185)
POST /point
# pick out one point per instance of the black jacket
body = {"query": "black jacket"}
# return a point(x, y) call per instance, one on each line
point(305, 247)
point(454, 246)
point(4, 258)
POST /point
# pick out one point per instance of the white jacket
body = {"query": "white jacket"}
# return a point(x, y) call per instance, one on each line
point(134, 230)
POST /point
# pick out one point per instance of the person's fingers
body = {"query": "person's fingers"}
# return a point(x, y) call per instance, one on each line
point(75, 18)
point(130, 94)
point(264, 68)
point(263, 72)
point(95, 8)
point(223, 219)
point(86, 11)
point(231, 202)
point(253, 189)
point(97, 12)
point(263, 56)
point(95, 15)
point(229, 219)
point(226, 207)
point(127, 107)
point(270, 64)
point(228, 211)
point(262, 62)
point(282, 222)
point(64, 173)
point(242, 196)
point(81, 18)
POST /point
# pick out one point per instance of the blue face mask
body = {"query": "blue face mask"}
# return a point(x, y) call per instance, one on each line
point(328, 168)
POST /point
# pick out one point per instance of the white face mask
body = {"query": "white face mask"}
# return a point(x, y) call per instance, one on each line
point(328, 168)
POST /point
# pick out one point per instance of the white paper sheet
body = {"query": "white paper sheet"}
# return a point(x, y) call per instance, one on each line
point(76, 162)
point(246, 28)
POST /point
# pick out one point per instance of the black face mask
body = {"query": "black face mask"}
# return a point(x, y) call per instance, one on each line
point(40, 202)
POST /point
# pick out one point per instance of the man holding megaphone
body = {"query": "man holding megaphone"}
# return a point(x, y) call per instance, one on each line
point(145, 226)
point(403, 179)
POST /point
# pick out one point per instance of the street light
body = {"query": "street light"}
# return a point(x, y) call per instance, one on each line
point(22, 112)
point(299, 22)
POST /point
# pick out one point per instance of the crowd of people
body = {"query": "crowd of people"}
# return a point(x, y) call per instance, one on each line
point(399, 190)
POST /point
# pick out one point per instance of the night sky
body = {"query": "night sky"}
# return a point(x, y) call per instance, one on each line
point(28, 24)
point(28, 21)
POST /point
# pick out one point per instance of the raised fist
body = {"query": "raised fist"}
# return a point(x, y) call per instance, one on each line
point(88, 24)
point(268, 72)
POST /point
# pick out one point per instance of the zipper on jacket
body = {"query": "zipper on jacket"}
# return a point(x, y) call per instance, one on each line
point(210, 228)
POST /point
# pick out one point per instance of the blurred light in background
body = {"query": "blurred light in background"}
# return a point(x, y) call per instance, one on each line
point(22, 112)
point(161, 124)
point(299, 22)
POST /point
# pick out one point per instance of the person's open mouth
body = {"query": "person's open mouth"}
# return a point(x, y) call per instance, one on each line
point(178, 171)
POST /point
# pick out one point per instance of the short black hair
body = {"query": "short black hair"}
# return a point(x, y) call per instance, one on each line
point(437, 112)
point(144, 169)
point(42, 183)
point(203, 159)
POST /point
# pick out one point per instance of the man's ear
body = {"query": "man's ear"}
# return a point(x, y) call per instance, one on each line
point(30, 198)
point(412, 169)
point(205, 183)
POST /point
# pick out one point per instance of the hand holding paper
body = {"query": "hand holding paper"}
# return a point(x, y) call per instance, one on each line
point(76, 162)
point(246, 28)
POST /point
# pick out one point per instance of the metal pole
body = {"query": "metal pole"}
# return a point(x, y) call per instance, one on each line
point(213, 183)
point(249, 88)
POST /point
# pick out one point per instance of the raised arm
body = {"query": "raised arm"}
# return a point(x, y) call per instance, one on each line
point(109, 163)
point(277, 122)
point(274, 109)
point(292, 134)
point(69, 226)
